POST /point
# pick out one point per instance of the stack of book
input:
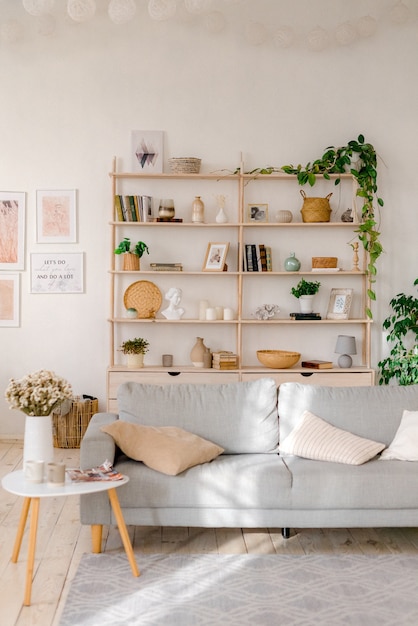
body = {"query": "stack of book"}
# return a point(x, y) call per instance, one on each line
point(257, 258)
point(305, 316)
point(166, 267)
point(317, 364)
point(224, 360)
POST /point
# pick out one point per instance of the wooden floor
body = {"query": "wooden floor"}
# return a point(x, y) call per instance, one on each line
point(62, 540)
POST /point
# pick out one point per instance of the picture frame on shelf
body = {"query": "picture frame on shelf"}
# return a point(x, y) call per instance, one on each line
point(12, 230)
point(56, 216)
point(340, 304)
point(147, 151)
point(215, 256)
point(257, 212)
point(9, 299)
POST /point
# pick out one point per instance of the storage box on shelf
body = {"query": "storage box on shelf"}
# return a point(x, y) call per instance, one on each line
point(185, 243)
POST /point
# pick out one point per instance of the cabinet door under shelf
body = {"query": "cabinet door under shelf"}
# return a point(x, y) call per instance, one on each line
point(330, 378)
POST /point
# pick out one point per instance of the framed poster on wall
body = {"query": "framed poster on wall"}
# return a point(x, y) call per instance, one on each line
point(9, 299)
point(56, 216)
point(12, 230)
point(57, 272)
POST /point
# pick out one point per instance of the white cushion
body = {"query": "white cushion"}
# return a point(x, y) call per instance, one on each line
point(313, 438)
point(404, 446)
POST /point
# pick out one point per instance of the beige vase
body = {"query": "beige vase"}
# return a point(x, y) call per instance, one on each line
point(135, 361)
point(130, 262)
point(197, 353)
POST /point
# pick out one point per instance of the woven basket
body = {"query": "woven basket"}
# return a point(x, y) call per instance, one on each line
point(131, 262)
point(185, 165)
point(324, 261)
point(69, 429)
point(315, 209)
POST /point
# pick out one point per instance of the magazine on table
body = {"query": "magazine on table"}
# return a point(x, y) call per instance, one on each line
point(102, 472)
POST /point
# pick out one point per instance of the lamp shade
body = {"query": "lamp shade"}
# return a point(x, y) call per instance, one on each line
point(345, 346)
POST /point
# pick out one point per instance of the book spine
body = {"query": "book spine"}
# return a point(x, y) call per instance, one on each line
point(263, 257)
point(118, 209)
point(249, 257)
point(254, 257)
point(269, 260)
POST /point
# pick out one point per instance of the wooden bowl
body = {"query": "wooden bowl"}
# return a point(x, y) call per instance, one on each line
point(278, 359)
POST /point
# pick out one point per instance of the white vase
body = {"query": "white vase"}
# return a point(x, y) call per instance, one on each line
point(38, 444)
point(221, 217)
point(306, 304)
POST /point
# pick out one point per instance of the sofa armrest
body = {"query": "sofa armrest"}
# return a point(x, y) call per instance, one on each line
point(96, 446)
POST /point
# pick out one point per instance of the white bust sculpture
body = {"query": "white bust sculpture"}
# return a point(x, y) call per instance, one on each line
point(173, 312)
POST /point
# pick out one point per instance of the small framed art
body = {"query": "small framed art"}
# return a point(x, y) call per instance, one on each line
point(56, 216)
point(257, 212)
point(12, 230)
point(9, 300)
point(57, 272)
point(147, 151)
point(215, 257)
point(339, 304)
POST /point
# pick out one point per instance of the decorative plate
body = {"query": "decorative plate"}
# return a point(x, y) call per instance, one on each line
point(143, 296)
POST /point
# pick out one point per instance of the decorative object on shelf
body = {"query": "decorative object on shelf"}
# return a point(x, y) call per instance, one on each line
point(402, 333)
point(173, 311)
point(132, 313)
point(166, 209)
point(258, 212)
point(135, 350)
point(38, 395)
point(305, 291)
point(267, 311)
point(347, 216)
point(292, 264)
point(203, 305)
point(339, 304)
point(131, 258)
point(228, 314)
point(355, 267)
point(284, 217)
point(215, 257)
point(198, 210)
point(143, 296)
point(210, 314)
point(207, 358)
point(221, 216)
point(278, 359)
point(346, 345)
point(167, 360)
point(197, 353)
point(324, 262)
point(315, 209)
point(184, 165)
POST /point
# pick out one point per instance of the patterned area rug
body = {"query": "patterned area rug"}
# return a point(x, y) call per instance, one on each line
point(244, 590)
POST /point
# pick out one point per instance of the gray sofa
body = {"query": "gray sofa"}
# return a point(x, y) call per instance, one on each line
point(250, 484)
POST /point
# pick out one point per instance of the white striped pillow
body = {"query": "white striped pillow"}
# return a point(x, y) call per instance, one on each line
point(313, 438)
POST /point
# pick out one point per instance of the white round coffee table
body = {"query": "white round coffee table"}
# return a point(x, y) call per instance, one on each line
point(32, 493)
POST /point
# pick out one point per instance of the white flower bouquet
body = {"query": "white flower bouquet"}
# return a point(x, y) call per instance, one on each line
point(38, 393)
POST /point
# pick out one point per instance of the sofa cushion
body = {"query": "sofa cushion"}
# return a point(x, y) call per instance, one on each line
point(313, 438)
point(404, 447)
point(371, 412)
point(241, 417)
point(168, 449)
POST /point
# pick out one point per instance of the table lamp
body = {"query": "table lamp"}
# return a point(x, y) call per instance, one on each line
point(346, 345)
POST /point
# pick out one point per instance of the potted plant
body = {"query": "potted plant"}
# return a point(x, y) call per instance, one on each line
point(135, 350)
point(305, 291)
point(401, 365)
point(131, 257)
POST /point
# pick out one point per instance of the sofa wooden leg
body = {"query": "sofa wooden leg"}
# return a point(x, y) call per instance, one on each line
point(285, 533)
point(96, 538)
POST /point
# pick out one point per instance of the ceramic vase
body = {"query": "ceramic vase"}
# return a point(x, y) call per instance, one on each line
point(38, 443)
point(306, 304)
point(221, 216)
point(198, 211)
point(197, 353)
point(292, 264)
point(135, 360)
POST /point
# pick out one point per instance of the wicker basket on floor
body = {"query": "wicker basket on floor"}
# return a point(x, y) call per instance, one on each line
point(69, 429)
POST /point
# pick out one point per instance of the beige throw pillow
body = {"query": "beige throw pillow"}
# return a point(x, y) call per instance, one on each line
point(313, 438)
point(167, 449)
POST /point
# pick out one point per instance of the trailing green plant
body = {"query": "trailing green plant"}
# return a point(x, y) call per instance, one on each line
point(138, 345)
point(402, 325)
point(125, 246)
point(305, 288)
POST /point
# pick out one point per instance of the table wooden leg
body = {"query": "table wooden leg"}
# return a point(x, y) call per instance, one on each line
point(96, 537)
point(21, 529)
point(114, 501)
point(31, 551)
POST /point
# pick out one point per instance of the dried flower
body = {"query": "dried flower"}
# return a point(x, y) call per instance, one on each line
point(38, 393)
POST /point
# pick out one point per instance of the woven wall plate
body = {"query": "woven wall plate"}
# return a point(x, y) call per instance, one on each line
point(143, 296)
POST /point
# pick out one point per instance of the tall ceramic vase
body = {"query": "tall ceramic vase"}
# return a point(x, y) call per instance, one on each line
point(197, 353)
point(38, 444)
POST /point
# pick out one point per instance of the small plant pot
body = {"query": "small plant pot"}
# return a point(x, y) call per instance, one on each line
point(131, 262)
point(306, 304)
point(135, 361)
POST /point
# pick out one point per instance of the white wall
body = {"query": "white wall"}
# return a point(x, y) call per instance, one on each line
point(69, 102)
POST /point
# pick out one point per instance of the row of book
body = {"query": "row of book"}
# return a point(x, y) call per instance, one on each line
point(133, 208)
point(257, 258)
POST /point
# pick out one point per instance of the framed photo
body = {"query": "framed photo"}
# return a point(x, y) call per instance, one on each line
point(339, 304)
point(215, 257)
point(12, 230)
point(56, 216)
point(9, 300)
point(258, 212)
point(147, 151)
point(57, 272)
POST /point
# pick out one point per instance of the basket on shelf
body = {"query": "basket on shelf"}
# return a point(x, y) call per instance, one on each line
point(69, 429)
point(185, 165)
point(315, 209)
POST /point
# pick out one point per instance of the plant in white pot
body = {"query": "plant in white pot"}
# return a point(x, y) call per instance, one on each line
point(131, 257)
point(305, 291)
point(135, 350)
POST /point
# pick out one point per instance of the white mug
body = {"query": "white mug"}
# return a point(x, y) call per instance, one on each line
point(56, 474)
point(34, 471)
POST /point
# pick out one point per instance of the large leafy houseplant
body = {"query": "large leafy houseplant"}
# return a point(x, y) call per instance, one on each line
point(402, 325)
